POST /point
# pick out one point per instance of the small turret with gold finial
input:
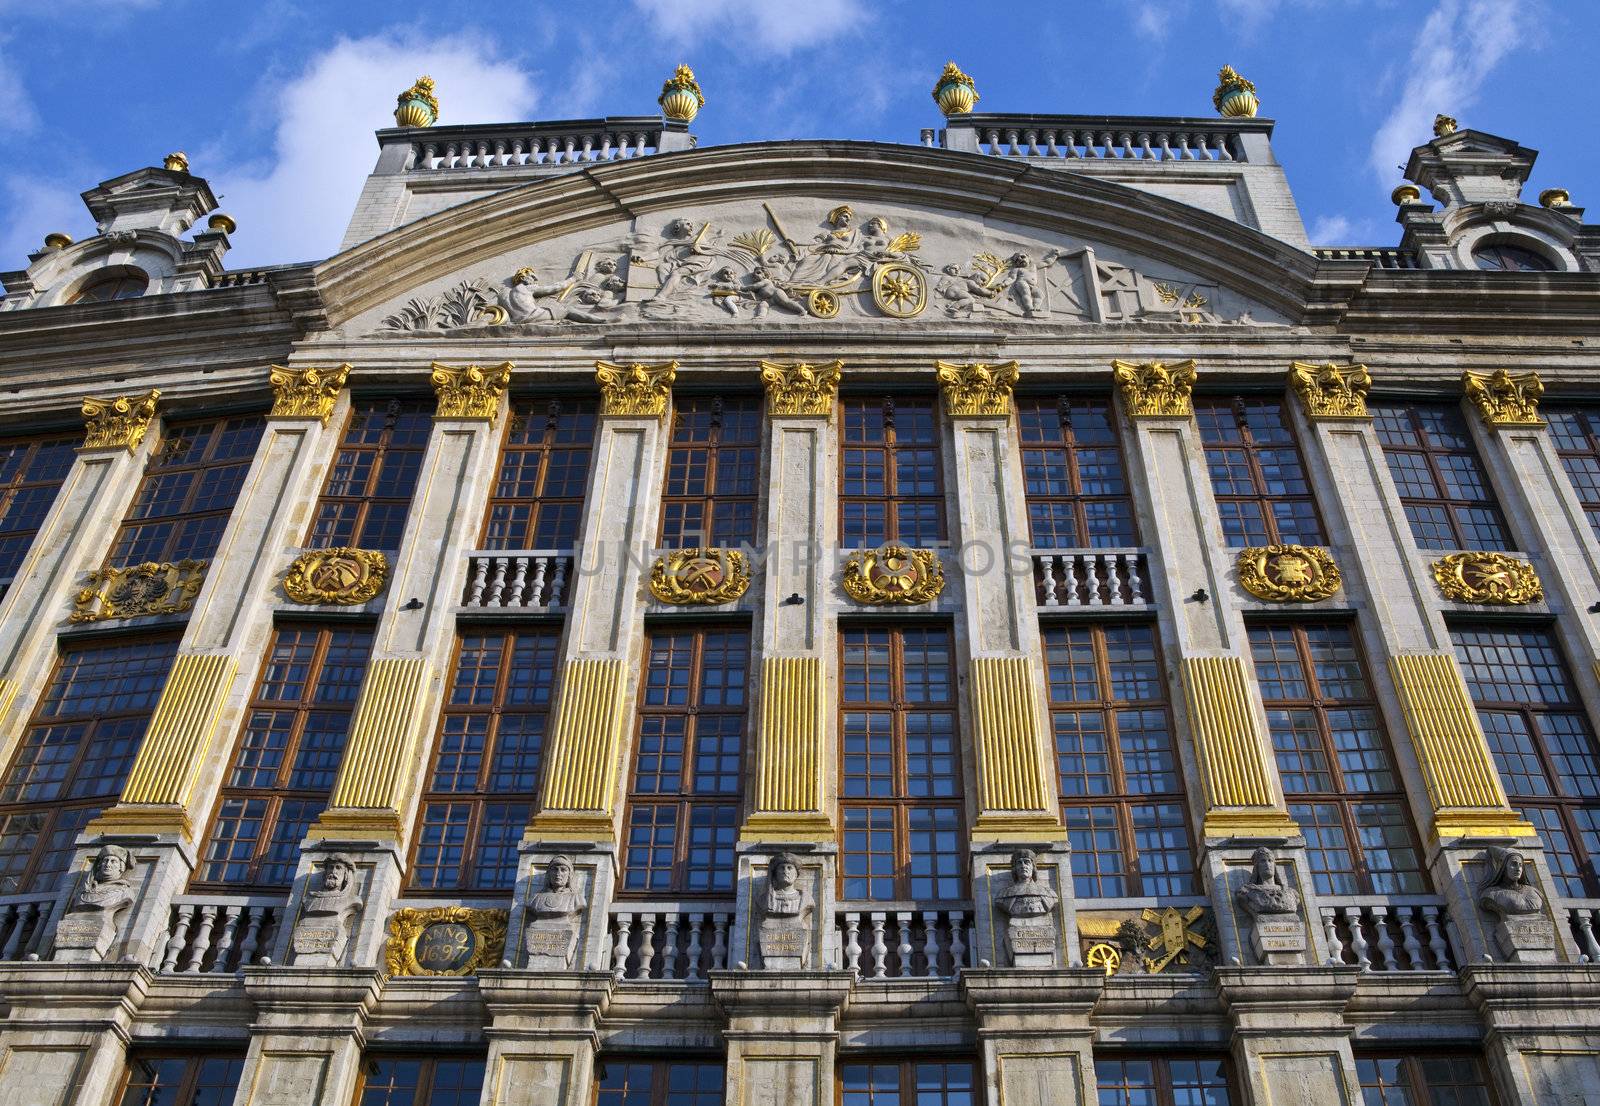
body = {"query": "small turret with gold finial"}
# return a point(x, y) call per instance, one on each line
point(954, 91)
point(681, 98)
point(417, 106)
point(1234, 97)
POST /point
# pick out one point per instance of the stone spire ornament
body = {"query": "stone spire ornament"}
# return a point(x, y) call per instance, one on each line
point(954, 91)
point(1234, 97)
point(681, 98)
point(417, 106)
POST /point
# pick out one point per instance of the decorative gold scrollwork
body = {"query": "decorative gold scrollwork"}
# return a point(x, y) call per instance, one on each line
point(1288, 573)
point(1487, 578)
point(801, 389)
point(699, 577)
point(1330, 391)
point(342, 575)
point(472, 392)
point(893, 575)
point(445, 940)
point(977, 388)
point(118, 421)
point(150, 588)
point(1503, 399)
point(635, 389)
point(308, 393)
point(1154, 389)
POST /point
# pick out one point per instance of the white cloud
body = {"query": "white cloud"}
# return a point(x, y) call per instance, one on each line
point(1456, 50)
point(780, 26)
point(1341, 230)
point(34, 207)
point(19, 116)
point(293, 203)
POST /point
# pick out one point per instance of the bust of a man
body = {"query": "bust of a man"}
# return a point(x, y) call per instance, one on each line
point(559, 898)
point(1265, 892)
point(550, 937)
point(786, 909)
point(89, 928)
point(1507, 890)
point(106, 887)
point(335, 892)
point(1028, 896)
point(322, 932)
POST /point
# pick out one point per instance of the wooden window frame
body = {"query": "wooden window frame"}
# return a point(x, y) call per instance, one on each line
point(660, 1074)
point(1161, 1064)
point(720, 451)
point(889, 450)
point(523, 415)
point(393, 407)
point(430, 1065)
point(1430, 453)
point(1263, 497)
point(193, 1060)
point(906, 1075)
point(20, 539)
point(1589, 414)
point(1069, 451)
point(1416, 1085)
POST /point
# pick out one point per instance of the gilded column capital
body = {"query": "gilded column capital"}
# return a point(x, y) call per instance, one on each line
point(802, 388)
point(1330, 391)
point(118, 422)
point(307, 393)
point(1154, 389)
point(1503, 399)
point(977, 389)
point(635, 389)
point(472, 392)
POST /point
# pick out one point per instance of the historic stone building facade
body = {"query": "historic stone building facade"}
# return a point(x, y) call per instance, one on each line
point(997, 619)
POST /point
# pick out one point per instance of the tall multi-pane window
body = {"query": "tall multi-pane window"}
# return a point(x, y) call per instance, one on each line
point(688, 762)
point(713, 472)
point(420, 1081)
point(899, 766)
point(1576, 435)
point(1334, 760)
point(1073, 474)
point(909, 1083)
point(1257, 475)
point(1423, 1079)
point(537, 502)
point(31, 473)
point(189, 489)
point(486, 761)
point(1542, 743)
point(74, 756)
point(180, 1079)
point(1162, 1081)
point(1442, 484)
point(892, 488)
point(1116, 763)
point(287, 756)
point(629, 1082)
point(373, 476)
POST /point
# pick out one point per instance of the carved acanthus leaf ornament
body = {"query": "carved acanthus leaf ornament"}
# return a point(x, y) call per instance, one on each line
point(1154, 389)
point(977, 389)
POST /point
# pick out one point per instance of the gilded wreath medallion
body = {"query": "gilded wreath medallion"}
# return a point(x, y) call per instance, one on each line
point(893, 575)
point(699, 577)
point(1487, 578)
point(445, 940)
point(1288, 573)
point(342, 576)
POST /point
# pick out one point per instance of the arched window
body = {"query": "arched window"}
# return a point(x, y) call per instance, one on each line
point(123, 284)
point(1503, 257)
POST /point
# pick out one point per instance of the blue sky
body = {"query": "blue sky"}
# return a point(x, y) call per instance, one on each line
point(275, 100)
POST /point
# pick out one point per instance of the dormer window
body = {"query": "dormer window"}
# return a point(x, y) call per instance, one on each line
point(123, 285)
point(1500, 257)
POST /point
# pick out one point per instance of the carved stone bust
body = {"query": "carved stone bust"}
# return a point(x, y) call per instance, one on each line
point(323, 930)
point(1265, 893)
point(1029, 904)
point(554, 914)
point(1523, 931)
point(786, 909)
point(90, 925)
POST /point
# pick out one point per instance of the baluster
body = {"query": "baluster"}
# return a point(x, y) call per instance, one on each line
point(608, 151)
point(1387, 960)
point(1106, 145)
point(535, 151)
point(569, 150)
point(202, 939)
point(480, 580)
point(647, 945)
point(1438, 945)
point(1011, 144)
point(880, 951)
point(1124, 145)
point(1047, 578)
point(1031, 137)
point(1130, 566)
point(958, 948)
point(1358, 940)
point(930, 941)
point(12, 913)
point(519, 152)
point(719, 941)
point(1070, 565)
point(536, 591)
point(1222, 148)
point(587, 154)
point(519, 580)
point(1411, 939)
point(696, 922)
point(430, 155)
point(1166, 147)
point(1144, 152)
point(230, 930)
point(1330, 933)
point(852, 941)
point(1202, 147)
point(1069, 143)
point(902, 919)
point(180, 937)
point(925, 136)
point(1184, 153)
point(669, 947)
point(558, 586)
point(1050, 147)
point(619, 950)
point(497, 586)
point(1106, 567)
point(256, 919)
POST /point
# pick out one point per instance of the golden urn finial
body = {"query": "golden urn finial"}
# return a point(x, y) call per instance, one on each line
point(1443, 125)
point(417, 106)
point(1405, 194)
point(1555, 197)
point(681, 98)
point(56, 240)
point(177, 161)
point(954, 91)
point(1234, 97)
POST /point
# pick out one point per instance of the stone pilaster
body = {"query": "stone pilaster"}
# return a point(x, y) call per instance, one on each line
point(1033, 1027)
point(543, 1036)
point(309, 1030)
point(66, 1031)
point(1291, 1042)
point(1541, 1029)
point(783, 1030)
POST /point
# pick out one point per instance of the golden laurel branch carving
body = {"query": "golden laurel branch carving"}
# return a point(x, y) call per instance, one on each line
point(118, 421)
point(341, 575)
point(1288, 573)
point(487, 929)
point(699, 577)
point(308, 393)
point(635, 389)
point(893, 575)
point(802, 388)
point(1503, 399)
point(1330, 391)
point(1487, 578)
point(472, 392)
point(136, 590)
point(1155, 389)
point(977, 388)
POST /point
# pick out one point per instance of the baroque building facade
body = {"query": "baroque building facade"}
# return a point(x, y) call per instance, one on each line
point(1000, 619)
